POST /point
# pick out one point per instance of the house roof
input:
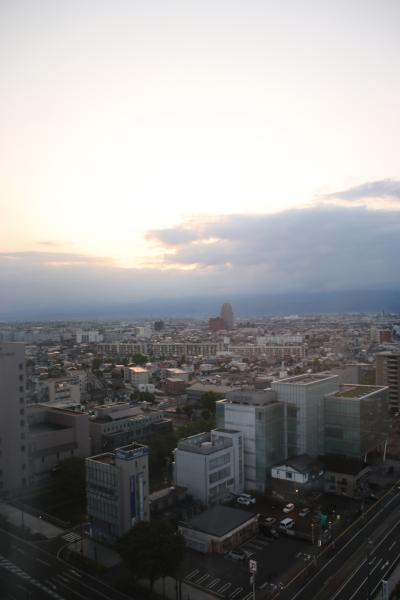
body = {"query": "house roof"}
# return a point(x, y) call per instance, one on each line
point(220, 520)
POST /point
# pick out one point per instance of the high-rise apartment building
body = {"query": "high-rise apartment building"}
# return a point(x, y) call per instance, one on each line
point(388, 373)
point(227, 315)
point(13, 424)
point(303, 397)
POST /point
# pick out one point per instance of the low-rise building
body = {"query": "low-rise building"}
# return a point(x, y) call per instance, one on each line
point(54, 435)
point(345, 476)
point(219, 529)
point(117, 490)
point(297, 476)
point(118, 424)
point(136, 376)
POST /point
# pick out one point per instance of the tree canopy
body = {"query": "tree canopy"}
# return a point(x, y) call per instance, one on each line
point(152, 550)
point(70, 478)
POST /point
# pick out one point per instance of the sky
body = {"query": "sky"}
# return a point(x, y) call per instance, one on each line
point(165, 148)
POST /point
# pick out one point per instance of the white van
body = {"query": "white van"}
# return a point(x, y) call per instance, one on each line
point(286, 523)
point(251, 499)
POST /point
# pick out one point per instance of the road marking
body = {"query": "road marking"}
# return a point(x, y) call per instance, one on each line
point(43, 562)
point(385, 565)
point(192, 574)
point(202, 579)
point(250, 595)
point(214, 583)
point(236, 592)
point(71, 537)
point(225, 587)
point(371, 562)
point(377, 565)
point(392, 545)
point(358, 589)
point(67, 587)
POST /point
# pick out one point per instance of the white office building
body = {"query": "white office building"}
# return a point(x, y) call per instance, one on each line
point(210, 465)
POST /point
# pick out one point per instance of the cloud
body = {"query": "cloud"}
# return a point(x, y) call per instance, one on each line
point(318, 249)
point(384, 188)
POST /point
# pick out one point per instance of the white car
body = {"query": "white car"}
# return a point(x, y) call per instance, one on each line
point(244, 501)
point(248, 497)
point(288, 508)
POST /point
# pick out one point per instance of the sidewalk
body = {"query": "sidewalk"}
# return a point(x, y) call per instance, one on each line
point(93, 550)
point(25, 520)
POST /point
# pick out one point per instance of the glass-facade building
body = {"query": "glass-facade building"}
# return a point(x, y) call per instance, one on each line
point(260, 418)
point(303, 398)
point(356, 420)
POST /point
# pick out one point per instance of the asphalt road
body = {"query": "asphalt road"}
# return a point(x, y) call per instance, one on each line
point(28, 571)
point(328, 580)
point(379, 559)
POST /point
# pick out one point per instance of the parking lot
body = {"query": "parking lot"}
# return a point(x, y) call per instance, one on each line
point(277, 558)
point(226, 577)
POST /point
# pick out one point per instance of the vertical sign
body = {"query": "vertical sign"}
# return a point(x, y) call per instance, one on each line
point(133, 498)
point(385, 590)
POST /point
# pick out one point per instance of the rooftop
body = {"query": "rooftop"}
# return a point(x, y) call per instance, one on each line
point(220, 520)
point(357, 391)
point(307, 378)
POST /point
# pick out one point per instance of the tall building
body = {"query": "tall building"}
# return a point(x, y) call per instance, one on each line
point(260, 418)
point(13, 424)
point(388, 373)
point(303, 397)
point(356, 420)
point(117, 491)
point(227, 315)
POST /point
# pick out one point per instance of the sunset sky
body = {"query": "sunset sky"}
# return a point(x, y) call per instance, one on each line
point(148, 146)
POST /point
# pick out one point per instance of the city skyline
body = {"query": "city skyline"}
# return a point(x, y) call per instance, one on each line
point(212, 149)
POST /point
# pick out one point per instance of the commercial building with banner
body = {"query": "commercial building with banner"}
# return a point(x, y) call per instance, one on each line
point(117, 489)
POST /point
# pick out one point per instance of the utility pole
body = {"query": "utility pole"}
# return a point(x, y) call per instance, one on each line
point(253, 571)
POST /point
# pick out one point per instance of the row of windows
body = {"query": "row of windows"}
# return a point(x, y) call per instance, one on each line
point(219, 461)
point(221, 474)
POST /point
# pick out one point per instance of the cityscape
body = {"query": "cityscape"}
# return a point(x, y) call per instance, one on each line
point(199, 300)
point(272, 442)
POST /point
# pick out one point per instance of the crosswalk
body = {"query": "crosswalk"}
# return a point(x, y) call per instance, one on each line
point(71, 537)
point(13, 568)
point(218, 587)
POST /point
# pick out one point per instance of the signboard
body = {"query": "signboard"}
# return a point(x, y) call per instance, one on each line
point(133, 498)
point(132, 454)
point(385, 590)
point(253, 566)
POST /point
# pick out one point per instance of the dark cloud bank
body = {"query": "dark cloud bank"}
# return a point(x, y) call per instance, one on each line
point(323, 259)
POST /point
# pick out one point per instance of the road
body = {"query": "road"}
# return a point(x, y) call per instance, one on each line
point(346, 570)
point(379, 559)
point(28, 571)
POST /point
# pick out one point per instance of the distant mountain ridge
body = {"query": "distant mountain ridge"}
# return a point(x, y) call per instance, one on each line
point(259, 305)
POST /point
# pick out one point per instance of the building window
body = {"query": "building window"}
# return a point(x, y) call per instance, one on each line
point(21, 411)
point(22, 448)
point(289, 475)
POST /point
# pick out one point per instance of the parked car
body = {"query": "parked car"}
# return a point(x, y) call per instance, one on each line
point(270, 534)
point(269, 520)
point(236, 555)
point(288, 508)
point(304, 512)
point(251, 499)
point(244, 501)
point(286, 524)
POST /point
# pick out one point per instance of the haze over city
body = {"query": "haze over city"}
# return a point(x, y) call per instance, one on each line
point(180, 149)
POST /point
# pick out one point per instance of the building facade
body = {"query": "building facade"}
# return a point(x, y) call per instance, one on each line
point(117, 490)
point(260, 418)
point(210, 465)
point(303, 399)
point(388, 374)
point(14, 465)
point(356, 420)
